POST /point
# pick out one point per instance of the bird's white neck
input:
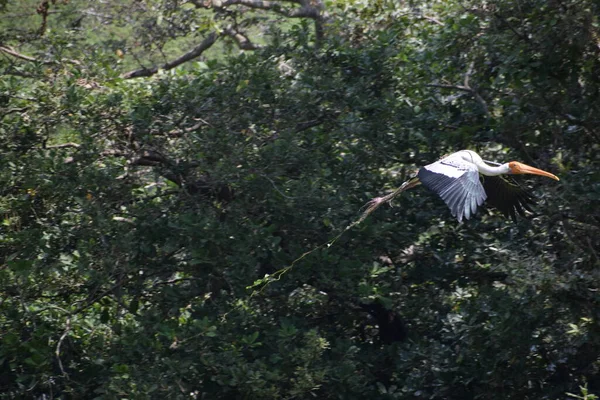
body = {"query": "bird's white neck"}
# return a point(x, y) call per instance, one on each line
point(489, 170)
point(484, 169)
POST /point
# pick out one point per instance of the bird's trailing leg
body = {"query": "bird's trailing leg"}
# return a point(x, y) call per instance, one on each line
point(370, 207)
point(378, 201)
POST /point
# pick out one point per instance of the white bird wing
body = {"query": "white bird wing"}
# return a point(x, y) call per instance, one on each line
point(456, 181)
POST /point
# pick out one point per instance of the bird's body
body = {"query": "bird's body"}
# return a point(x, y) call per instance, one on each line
point(456, 179)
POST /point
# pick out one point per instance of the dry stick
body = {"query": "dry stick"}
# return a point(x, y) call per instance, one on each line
point(60, 341)
point(371, 206)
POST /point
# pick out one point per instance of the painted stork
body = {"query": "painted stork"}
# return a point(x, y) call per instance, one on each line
point(456, 179)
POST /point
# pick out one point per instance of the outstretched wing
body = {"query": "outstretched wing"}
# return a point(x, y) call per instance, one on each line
point(456, 181)
point(507, 197)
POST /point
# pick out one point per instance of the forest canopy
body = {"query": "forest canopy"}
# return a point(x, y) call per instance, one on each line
point(171, 170)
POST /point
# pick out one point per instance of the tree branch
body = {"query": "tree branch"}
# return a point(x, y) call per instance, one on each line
point(468, 74)
point(466, 88)
point(13, 110)
point(190, 55)
point(302, 126)
point(15, 54)
point(60, 341)
point(431, 19)
point(474, 92)
point(12, 52)
point(182, 131)
point(64, 146)
point(242, 41)
point(306, 10)
point(455, 87)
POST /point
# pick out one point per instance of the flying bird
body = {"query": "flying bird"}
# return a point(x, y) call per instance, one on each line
point(464, 181)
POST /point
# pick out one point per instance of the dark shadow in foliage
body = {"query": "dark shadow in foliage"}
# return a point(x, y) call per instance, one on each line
point(391, 325)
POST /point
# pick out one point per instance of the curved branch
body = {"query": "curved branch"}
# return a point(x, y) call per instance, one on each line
point(434, 20)
point(15, 54)
point(68, 145)
point(467, 87)
point(60, 342)
point(12, 52)
point(304, 11)
point(240, 39)
point(190, 55)
point(307, 9)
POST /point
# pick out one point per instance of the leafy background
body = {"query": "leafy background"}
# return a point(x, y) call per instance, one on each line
point(137, 214)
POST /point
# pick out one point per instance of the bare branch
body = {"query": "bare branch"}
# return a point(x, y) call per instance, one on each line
point(435, 21)
point(312, 9)
point(190, 55)
point(177, 280)
point(180, 132)
point(15, 54)
point(242, 41)
point(64, 146)
point(98, 15)
point(468, 74)
point(467, 88)
point(13, 110)
point(481, 102)
point(306, 10)
point(455, 87)
point(302, 126)
point(276, 188)
point(12, 52)
point(60, 341)
point(150, 159)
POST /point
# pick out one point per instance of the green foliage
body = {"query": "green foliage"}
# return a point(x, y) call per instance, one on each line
point(137, 213)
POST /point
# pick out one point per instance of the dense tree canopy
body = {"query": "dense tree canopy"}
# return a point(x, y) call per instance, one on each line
point(167, 166)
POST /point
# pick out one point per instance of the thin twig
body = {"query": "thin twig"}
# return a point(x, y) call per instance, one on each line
point(275, 187)
point(467, 88)
point(12, 52)
point(468, 74)
point(15, 54)
point(306, 10)
point(60, 341)
point(455, 87)
point(179, 132)
point(302, 126)
point(64, 146)
point(436, 21)
point(14, 110)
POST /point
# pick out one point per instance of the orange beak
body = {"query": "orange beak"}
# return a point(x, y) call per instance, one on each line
point(519, 168)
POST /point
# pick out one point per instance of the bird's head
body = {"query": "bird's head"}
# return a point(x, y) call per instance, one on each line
point(516, 167)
